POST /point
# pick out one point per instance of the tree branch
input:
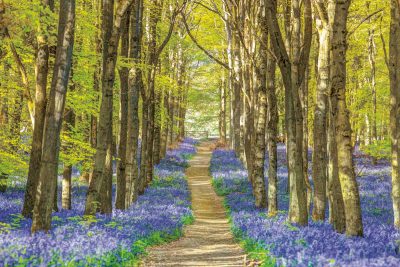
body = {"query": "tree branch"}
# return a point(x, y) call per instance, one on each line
point(171, 28)
point(364, 20)
point(223, 64)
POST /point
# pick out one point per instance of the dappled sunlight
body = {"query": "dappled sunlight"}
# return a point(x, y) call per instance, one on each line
point(208, 241)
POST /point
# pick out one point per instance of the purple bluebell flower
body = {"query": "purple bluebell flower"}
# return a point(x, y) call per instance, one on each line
point(160, 209)
point(317, 244)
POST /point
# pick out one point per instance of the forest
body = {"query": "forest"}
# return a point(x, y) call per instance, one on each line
point(200, 133)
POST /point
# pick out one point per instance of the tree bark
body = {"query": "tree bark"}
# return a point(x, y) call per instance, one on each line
point(272, 136)
point(258, 156)
point(347, 177)
point(104, 135)
point(123, 116)
point(222, 110)
point(49, 161)
point(135, 87)
point(69, 124)
point(293, 74)
point(236, 85)
point(41, 71)
point(394, 71)
point(319, 159)
point(157, 128)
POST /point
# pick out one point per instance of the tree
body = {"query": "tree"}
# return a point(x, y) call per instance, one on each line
point(42, 69)
point(340, 113)
point(104, 134)
point(319, 159)
point(53, 120)
point(259, 149)
point(123, 115)
point(293, 72)
point(135, 87)
point(394, 71)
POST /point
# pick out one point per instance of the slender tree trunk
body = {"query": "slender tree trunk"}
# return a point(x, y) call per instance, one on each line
point(222, 110)
point(49, 161)
point(69, 124)
point(228, 30)
point(165, 125)
point(104, 135)
point(258, 156)
point(135, 86)
point(272, 136)
point(394, 70)
point(347, 177)
point(236, 92)
point(150, 125)
point(105, 196)
point(157, 128)
point(24, 79)
point(66, 187)
point(372, 52)
point(123, 116)
point(336, 205)
point(144, 142)
point(304, 107)
point(293, 75)
point(319, 159)
point(41, 71)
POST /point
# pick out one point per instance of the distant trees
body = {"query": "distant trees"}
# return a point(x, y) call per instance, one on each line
point(153, 84)
point(251, 82)
point(151, 44)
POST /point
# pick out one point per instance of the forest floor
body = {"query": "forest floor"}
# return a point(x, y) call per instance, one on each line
point(208, 241)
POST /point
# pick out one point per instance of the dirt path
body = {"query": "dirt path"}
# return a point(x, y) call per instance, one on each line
point(208, 241)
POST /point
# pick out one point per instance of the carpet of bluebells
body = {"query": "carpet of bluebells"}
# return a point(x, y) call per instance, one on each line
point(102, 240)
point(317, 244)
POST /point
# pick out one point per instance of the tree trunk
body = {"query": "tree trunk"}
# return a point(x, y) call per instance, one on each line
point(336, 205)
point(258, 156)
point(319, 159)
point(272, 136)
point(228, 30)
point(347, 177)
point(105, 196)
point(236, 93)
point(157, 128)
point(292, 77)
point(69, 124)
point(104, 138)
point(222, 110)
point(304, 108)
point(123, 116)
point(394, 70)
point(372, 52)
point(144, 142)
point(49, 161)
point(165, 125)
point(135, 86)
point(42, 70)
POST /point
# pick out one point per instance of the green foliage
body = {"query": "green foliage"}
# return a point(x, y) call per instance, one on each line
point(380, 149)
point(256, 252)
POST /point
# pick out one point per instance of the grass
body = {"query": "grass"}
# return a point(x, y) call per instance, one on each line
point(118, 257)
point(255, 251)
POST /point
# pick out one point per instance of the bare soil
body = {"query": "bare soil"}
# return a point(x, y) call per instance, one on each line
point(208, 241)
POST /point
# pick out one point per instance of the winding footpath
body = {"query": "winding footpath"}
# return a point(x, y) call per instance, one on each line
point(208, 241)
